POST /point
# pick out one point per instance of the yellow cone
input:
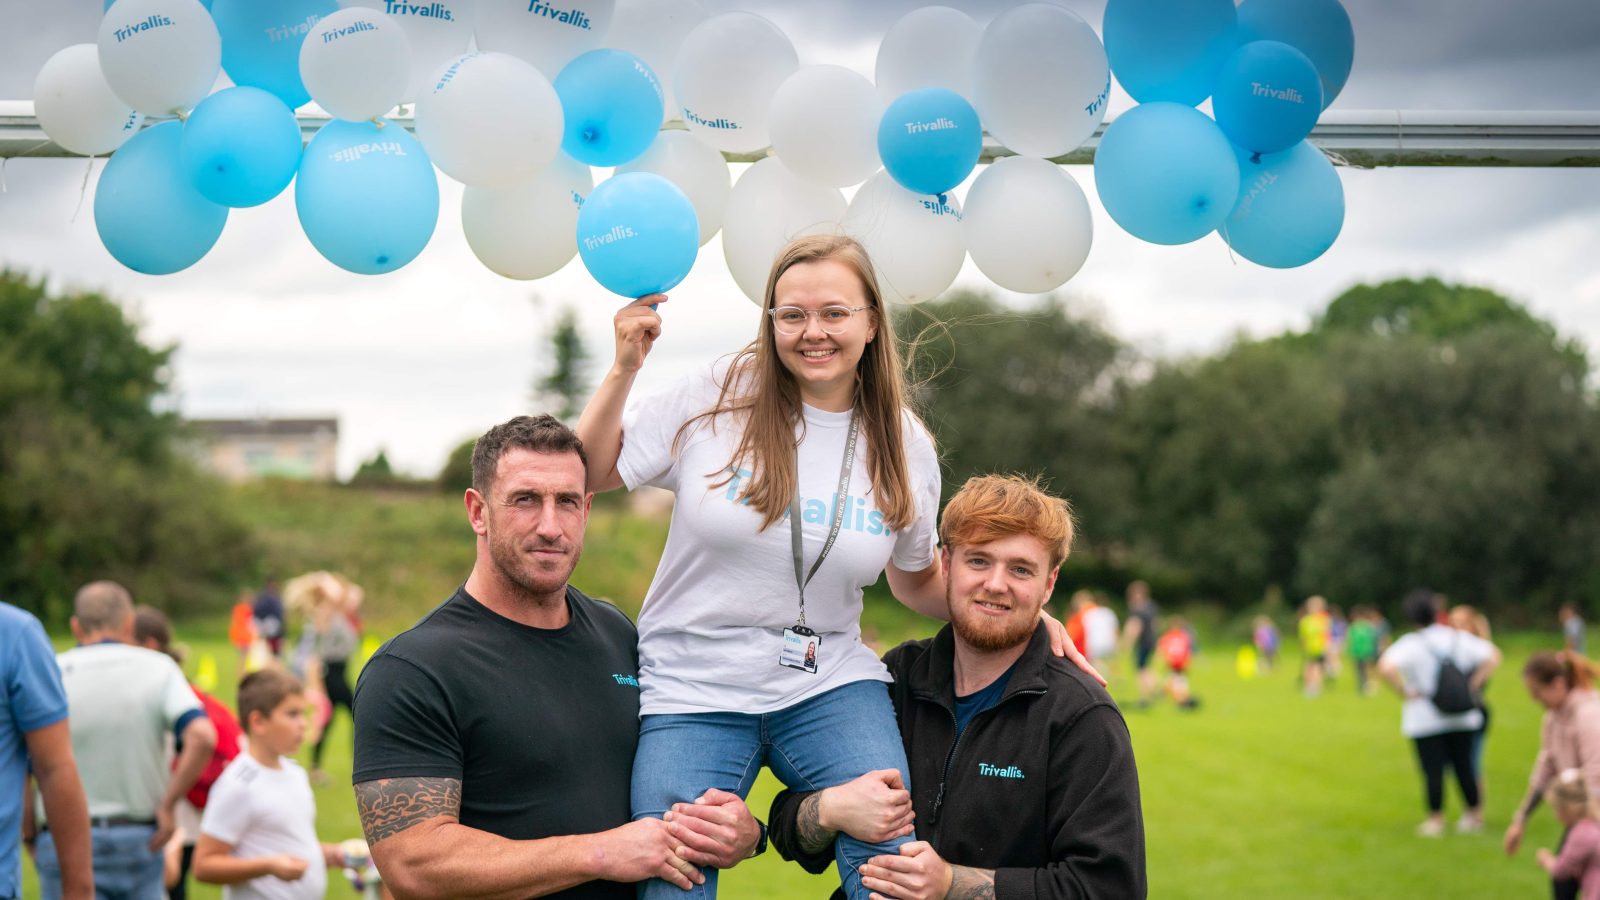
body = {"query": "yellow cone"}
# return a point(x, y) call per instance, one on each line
point(205, 673)
point(1245, 662)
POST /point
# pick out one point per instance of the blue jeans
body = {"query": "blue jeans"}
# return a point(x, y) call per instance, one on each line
point(827, 740)
point(124, 866)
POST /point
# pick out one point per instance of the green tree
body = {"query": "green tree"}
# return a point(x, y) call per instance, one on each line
point(375, 471)
point(565, 386)
point(1229, 454)
point(1029, 392)
point(455, 476)
point(93, 483)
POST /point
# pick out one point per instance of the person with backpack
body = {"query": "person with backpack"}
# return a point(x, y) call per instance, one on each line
point(1439, 671)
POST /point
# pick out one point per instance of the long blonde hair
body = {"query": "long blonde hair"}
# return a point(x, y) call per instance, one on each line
point(765, 397)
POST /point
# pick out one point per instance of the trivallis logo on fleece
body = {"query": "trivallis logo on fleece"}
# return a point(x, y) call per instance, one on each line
point(288, 32)
point(431, 10)
point(128, 31)
point(572, 17)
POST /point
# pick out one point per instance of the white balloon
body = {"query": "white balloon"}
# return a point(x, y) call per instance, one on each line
point(159, 56)
point(437, 31)
point(769, 207)
point(76, 107)
point(356, 64)
point(653, 30)
point(728, 69)
point(699, 171)
point(1027, 224)
point(490, 119)
point(548, 35)
point(824, 125)
point(914, 240)
point(529, 230)
point(1040, 80)
point(929, 47)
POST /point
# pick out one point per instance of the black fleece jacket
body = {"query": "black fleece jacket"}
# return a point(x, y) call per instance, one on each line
point(1041, 788)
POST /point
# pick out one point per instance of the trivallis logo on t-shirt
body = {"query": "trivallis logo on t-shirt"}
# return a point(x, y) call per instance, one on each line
point(857, 514)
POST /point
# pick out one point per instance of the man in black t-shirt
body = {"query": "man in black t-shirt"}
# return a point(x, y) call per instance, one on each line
point(495, 738)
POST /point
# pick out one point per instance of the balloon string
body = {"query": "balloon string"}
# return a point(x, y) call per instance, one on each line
point(5, 159)
point(1399, 135)
point(1224, 229)
point(83, 190)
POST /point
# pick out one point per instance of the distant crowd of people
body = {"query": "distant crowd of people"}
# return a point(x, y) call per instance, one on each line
point(150, 778)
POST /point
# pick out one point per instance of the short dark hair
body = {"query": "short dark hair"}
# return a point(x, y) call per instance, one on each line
point(1421, 607)
point(151, 624)
point(262, 691)
point(541, 434)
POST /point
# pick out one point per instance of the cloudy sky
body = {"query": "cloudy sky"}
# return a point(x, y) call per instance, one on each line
point(419, 359)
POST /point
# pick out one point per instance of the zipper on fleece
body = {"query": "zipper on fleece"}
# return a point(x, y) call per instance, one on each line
point(944, 778)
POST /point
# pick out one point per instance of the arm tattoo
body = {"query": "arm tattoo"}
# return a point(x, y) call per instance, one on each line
point(813, 837)
point(970, 884)
point(391, 805)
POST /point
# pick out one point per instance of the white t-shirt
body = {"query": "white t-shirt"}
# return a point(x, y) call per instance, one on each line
point(1100, 632)
point(125, 702)
point(264, 812)
point(712, 624)
point(1417, 655)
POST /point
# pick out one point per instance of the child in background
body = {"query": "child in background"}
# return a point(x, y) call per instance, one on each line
point(1314, 626)
point(1579, 858)
point(1573, 630)
point(1265, 634)
point(1338, 630)
point(1363, 648)
point(258, 835)
point(1176, 647)
point(242, 624)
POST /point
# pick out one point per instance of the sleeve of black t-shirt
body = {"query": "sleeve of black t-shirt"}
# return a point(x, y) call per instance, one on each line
point(404, 727)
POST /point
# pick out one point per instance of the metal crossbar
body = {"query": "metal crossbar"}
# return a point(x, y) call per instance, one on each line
point(1361, 138)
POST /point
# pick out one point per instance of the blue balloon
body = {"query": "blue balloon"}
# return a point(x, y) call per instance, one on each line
point(1268, 97)
point(1290, 207)
point(261, 42)
point(1166, 173)
point(149, 215)
point(1169, 49)
point(637, 234)
point(241, 147)
point(611, 102)
point(930, 140)
point(1318, 28)
point(367, 196)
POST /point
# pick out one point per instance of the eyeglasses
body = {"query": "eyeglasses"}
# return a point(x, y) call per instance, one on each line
point(833, 319)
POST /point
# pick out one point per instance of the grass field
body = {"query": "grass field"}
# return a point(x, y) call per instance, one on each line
point(1260, 793)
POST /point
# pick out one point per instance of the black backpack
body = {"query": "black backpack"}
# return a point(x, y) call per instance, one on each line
point(1453, 694)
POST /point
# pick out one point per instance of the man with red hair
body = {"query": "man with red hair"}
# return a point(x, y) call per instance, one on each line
point(1022, 773)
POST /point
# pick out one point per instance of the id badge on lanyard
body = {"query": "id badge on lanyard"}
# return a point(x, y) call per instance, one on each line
point(801, 645)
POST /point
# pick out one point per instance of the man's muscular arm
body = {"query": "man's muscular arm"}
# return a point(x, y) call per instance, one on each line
point(423, 851)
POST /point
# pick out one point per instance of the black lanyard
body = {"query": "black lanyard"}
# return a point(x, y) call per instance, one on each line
point(801, 577)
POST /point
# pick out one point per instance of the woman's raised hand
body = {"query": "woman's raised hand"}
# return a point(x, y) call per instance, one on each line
point(637, 327)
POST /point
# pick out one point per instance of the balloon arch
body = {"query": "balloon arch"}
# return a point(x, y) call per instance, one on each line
point(520, 100)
